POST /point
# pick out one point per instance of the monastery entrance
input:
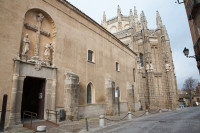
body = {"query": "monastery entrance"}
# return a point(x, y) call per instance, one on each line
point(33, 96)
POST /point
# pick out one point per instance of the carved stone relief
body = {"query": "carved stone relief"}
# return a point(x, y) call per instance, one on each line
point(149, 67)
point(39, 33)
point(167, 67)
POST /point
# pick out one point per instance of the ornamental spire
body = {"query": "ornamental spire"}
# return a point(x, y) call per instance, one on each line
point(137, 25)
point(158, 20)
point(143, 20)
point(119, 13)
point(104, 23)
point(104, 17)
point(135, 12)
point(119, 18)
point(131, 13)
point(131, 19)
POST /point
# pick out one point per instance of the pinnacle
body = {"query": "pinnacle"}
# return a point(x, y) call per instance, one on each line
point(131, 13)
point(158, 20)
point(135, 12)
point(104, 16)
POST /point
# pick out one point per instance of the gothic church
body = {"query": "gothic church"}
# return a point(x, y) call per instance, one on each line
point(155, 76)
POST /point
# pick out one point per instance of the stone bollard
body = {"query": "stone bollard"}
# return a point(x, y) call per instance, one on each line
point(147, 112)
point(129, 115)
point(41, 129)
point(160, 110)
point(101, 121)
point(86, 124)
point(169, 109)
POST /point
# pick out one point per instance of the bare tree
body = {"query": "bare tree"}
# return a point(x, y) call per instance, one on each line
point(190, 86)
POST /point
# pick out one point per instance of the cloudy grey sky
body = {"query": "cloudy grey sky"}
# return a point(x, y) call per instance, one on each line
point(173, 16)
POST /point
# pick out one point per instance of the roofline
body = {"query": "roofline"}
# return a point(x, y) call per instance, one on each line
point(69, 5)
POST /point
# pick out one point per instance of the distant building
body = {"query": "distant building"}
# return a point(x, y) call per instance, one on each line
point(193, 13)
point(197, 94)
point(184, 97)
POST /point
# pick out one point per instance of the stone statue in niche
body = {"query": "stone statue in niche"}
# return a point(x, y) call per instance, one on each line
point(167, 67)
point(48, 52)
point(26, 44)
point(149, 67)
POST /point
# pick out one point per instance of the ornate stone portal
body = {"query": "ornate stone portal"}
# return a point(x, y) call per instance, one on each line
point(35, 53)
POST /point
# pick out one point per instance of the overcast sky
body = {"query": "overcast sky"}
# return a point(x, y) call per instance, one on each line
point(173, 16)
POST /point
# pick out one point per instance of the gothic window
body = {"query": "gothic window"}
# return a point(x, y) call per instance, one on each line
point(117, 94)
point(113, 29)
point(90, 94)
point(90, 56)
point(126, 26)
point(117, 66)
point(133, 74)
point(141, 60)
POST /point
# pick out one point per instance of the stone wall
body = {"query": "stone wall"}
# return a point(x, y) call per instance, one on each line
point(91, 110)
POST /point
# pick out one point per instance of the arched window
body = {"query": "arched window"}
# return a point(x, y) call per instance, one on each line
point(113, 29)
point(126, 26)
point(141, 60)
point(117, 66)
point(90, 56)
point(90, 94)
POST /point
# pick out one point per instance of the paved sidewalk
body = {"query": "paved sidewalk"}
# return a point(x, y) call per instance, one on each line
point(93, 123)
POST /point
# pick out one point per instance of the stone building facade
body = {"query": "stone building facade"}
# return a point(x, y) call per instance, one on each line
point(155, 77)
point(193, 13)
point(55, 57)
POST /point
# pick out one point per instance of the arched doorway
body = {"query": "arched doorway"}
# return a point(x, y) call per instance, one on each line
point(33, 96)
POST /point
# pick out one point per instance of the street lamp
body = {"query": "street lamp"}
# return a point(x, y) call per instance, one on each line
point(179, 2)
point(186, 53)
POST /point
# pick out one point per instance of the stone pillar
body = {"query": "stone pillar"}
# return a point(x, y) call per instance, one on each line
point(71, 95)
point(50, 95)
point(53, 92)
point(130, 97)
point(169, 88)
point(19, 99)
point(48, 99)
point(153, 102)
point(13, 101)
point(110, 97)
